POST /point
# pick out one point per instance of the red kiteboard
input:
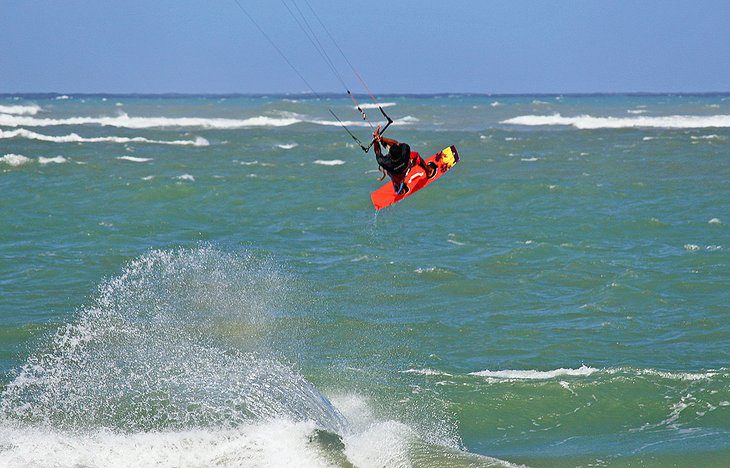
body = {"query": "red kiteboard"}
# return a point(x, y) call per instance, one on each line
point(416, 178)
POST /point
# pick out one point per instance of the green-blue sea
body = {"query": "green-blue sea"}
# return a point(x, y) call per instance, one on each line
point(203, 281)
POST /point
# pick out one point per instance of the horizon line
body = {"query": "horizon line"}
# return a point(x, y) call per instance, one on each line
point(310, 95)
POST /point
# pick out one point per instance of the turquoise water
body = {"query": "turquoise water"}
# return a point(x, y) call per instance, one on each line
point(203, 280)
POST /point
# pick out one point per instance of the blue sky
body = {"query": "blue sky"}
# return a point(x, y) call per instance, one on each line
point(399, 46)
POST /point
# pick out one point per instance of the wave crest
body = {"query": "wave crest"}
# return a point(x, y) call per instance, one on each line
point(31, 109)
point(588, 122)
point(125, 121)
point(75, 138)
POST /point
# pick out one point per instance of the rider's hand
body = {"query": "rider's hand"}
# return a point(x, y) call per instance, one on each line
point(376, 133)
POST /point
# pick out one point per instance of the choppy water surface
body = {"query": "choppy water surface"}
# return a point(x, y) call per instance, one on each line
point(203, 280)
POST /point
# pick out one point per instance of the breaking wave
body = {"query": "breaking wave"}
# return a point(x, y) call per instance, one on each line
point(75, 138)
point(535, 374)
point(590, 122)
point(125, 121)
point(147, 355)
point(173, 363)
point(584, 371)
point(31, 109)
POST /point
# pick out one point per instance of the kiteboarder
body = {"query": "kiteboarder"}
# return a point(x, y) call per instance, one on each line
point(398, 161)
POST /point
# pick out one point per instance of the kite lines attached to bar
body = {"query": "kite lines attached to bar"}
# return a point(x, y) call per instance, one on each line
point(304, 24)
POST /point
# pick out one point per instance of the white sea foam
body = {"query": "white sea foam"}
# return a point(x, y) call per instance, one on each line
point(278, 442)
point(15, 160)
point(590, 122)
point(421, 271)
point(75, 138)
point(495, 104)
point(529, 159)
point(375, 106)
point(707, 137)
point(134, 159)
point(665, 374)
point(287, 146)
point(271, 443)
point(648, 138)
point(636, 111)
point(62, 97)
point(583, 371)
point(408, 119)
point(187, 177)
point(691, 247)
point(54, 160)
point(31, 109)
point(714, 221)
point(331, 162)
point(425, 372)
point(125, 121)
point(535, 374)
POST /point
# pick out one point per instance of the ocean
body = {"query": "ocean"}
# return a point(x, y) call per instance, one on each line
point(203, 281)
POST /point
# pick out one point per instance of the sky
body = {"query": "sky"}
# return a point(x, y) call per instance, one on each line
point(398, 46)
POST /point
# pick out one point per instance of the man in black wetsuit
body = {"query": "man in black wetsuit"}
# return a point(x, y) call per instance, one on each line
point(398, 161)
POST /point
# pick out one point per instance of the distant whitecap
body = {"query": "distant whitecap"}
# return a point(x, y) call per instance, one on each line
point(591, 122)
point(31, 109)
point(375, 106)
point(536, 374)
point(707, 137)
point(134, 159)
point(75, 138)
point(54, 160)
point(14, 160)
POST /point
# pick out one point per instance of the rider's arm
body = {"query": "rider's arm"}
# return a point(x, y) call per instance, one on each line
point(388, 141)
point(376, 147)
